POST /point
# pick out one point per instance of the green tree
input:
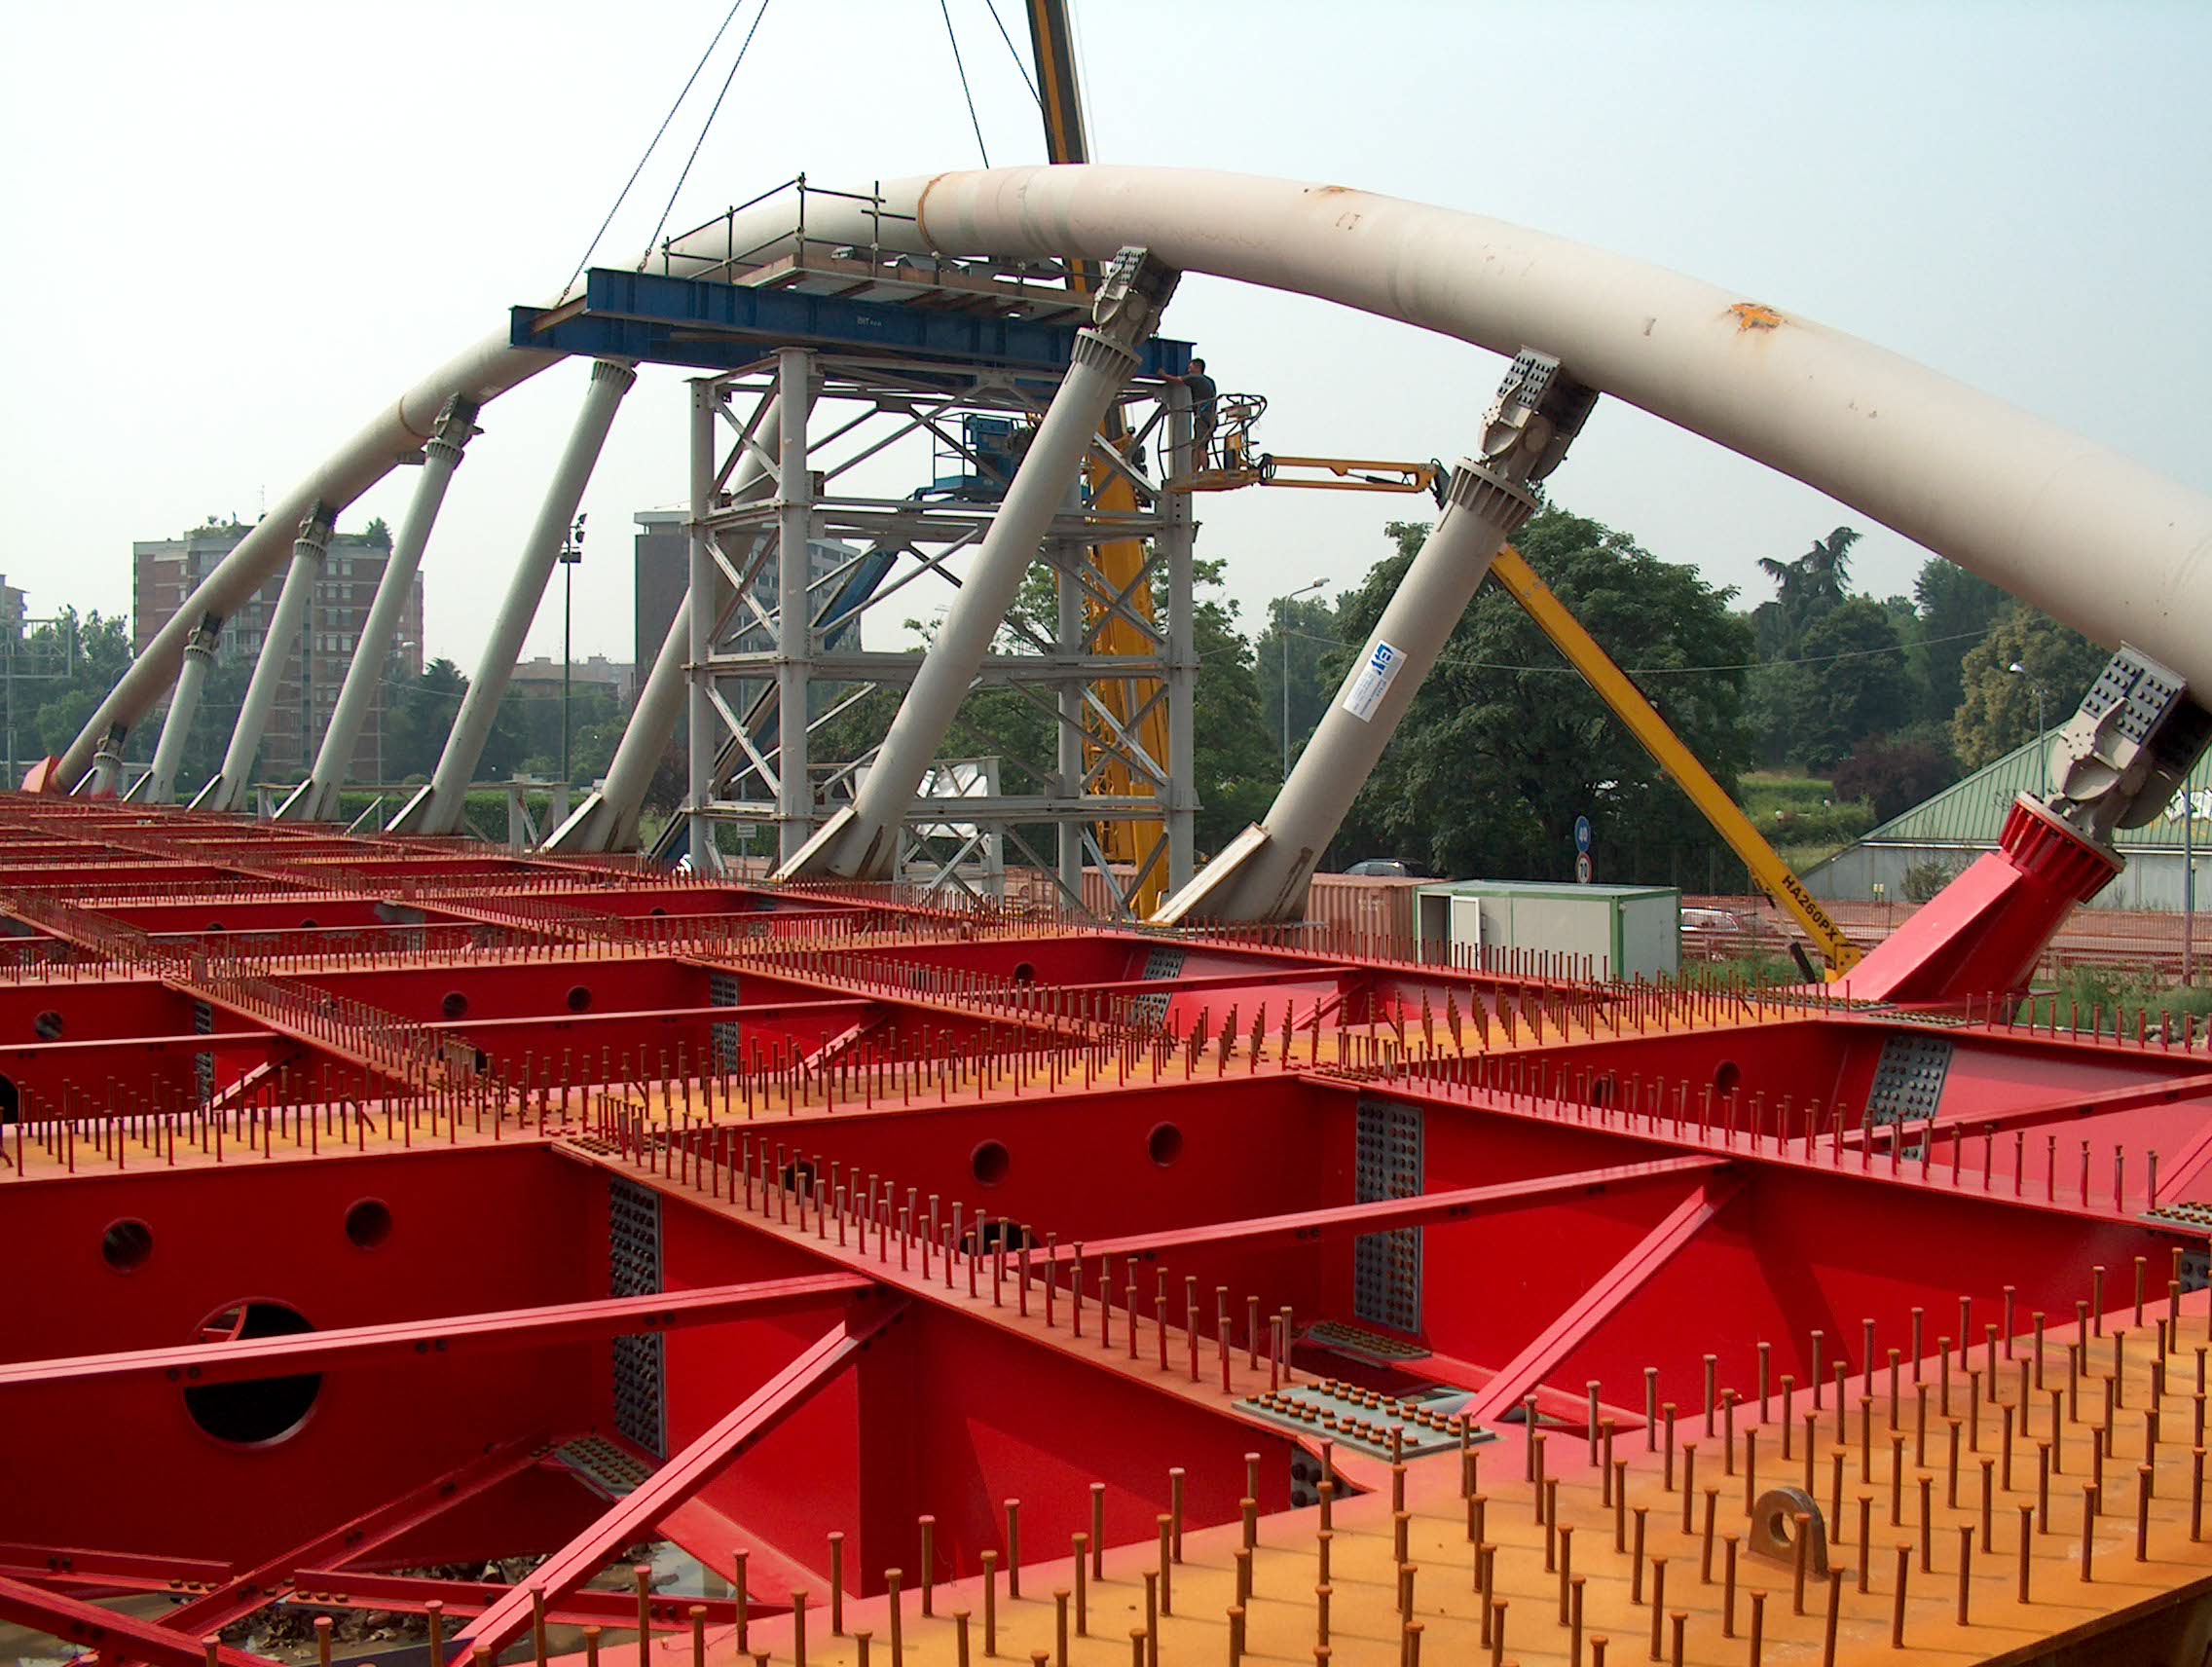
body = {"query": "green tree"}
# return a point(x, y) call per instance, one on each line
point(419, 715)
point(1997, 706)
point(1808, 588)
point(1307, 626)
point(89, 652)
point(1505, 745)
point(1955, 611)
point(1894, 773)
point(1848, 681)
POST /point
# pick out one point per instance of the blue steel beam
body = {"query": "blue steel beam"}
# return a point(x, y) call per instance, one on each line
point(652, 319)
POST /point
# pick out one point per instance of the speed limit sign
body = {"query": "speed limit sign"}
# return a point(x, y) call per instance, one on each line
point(1582, 867)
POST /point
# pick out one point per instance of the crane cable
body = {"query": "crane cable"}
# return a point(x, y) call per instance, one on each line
point(660, 134)
point(972, 121)
point(1020, 65)
point(745, 47)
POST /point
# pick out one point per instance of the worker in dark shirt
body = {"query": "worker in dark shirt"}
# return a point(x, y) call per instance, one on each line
point(1205, 399)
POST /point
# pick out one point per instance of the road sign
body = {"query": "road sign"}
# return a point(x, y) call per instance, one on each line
point(1583, 866)
point(1582, 835)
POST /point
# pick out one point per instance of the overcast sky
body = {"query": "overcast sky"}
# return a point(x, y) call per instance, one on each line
point(236, 231)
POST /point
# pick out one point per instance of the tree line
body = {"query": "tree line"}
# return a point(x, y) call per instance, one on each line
point(1890, 698)
point(55, 675)
point(1505, 746)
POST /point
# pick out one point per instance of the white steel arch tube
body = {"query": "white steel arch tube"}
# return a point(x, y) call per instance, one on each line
point(2099, 541)
point(2110, 548)
point(480, 374)
point(318, 798)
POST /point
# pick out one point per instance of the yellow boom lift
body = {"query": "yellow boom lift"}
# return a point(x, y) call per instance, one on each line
point(1232, 461)
point(1135, 703)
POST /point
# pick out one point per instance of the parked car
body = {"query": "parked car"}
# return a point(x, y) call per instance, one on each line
point(1723, 932)
point(1390, 869)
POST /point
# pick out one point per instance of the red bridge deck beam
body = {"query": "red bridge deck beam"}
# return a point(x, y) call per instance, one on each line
point(1605, 1295)
point(359, 1589)
point(260, 1586)
point(114, 1636)
point(560, 1576)
point(413, 1339)
point(1310, 1226)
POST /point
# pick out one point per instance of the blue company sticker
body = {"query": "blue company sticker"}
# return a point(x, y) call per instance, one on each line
point(1374, 680)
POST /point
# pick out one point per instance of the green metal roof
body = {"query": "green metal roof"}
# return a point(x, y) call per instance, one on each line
point(1972, 811)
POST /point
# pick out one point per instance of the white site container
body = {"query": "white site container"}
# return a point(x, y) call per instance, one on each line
point(1602, 931)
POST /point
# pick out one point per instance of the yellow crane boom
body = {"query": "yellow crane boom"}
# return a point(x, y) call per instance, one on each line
point(1618, 690)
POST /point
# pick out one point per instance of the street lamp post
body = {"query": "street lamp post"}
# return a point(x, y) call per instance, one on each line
point(2036, 684)
point(1282, 634)
point(572, 552)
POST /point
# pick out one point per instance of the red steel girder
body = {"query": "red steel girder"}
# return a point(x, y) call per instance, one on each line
point(85, 1565)
point(260, 1586)
point(115, 1637)
point(630, 1517)
point(1604, 1295)
point(2093, 1102)
point(1310, 1226)
point(586, 1606)
point(423, 1339)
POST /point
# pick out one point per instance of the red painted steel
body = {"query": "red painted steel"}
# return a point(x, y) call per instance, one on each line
point(83, 1566)
point(684, 1475)
point(397, 1345)
point(112, 1636)
point(257, 1588)
point(1652, 1253)
point(479, 1047)
point(586, 1606)
point(1382, 1215)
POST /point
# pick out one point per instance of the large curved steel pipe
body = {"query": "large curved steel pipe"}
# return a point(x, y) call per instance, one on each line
point(2021, 502)
point(481, 373)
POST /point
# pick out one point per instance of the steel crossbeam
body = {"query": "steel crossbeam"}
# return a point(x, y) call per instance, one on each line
point(113, 1636)
point(1604, 1296)
point(83, 1566)
point(261, 1586)
point(1312, 1226)
point(423, 1339)
point(683, 1476)
point(586, 1606)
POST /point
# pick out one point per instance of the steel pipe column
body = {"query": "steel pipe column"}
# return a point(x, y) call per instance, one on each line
point(608, 819)
point(227, 791)
point(316, 799)
point(795, 606)
point(191, 679)
point(698, 624)
point(1263, 874)
point(1070, 556)
point(399, 429)
point(860, 842)
point(437, 808)
point(1182, 792)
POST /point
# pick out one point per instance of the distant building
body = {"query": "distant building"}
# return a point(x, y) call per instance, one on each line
point(12, 613)
point(542, 676)
point(1908, 856)
point(664, 574)
point(164, 572)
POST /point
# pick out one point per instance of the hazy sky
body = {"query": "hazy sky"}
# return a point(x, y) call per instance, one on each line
point(236, 231)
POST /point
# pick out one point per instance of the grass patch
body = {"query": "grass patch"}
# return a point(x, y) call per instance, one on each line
point(2109, 999)
point(1797, 812)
